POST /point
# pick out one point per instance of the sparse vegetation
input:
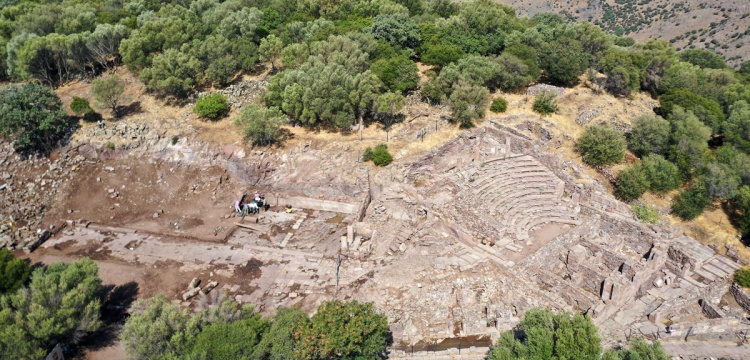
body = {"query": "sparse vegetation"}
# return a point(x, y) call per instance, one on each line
point(109, 92)
point(212, 106)
point(639, 349)
point(80, 106)
point(378, 155)
point(334, 64)
point(545, 103)
point(645, 213)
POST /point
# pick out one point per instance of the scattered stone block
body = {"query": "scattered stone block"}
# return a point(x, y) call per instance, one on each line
point(190, 293)
point(211, 285)
point(194, 283)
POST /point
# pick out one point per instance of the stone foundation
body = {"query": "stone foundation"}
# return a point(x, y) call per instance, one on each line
point(741, 296)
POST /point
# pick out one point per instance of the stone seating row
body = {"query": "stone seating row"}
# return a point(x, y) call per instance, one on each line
point(511, 197)
point(513, 179)
point(525, 173)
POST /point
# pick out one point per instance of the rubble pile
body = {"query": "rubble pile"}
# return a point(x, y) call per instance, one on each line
point(240, 94)
point(537, 89)
point(27, 188)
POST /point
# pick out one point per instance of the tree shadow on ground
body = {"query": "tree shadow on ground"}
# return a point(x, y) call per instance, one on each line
point(284, 136)
point(130, 109)
point(116, 300)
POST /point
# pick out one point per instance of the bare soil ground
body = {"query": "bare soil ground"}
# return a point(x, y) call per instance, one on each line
point(152, 196)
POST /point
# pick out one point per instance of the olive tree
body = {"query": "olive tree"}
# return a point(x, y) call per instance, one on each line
point(650, 135)
point(468, 103)
point(270, 50)
point(260, 125)
point(109, 92)
point(387, 106)
point(601, 145)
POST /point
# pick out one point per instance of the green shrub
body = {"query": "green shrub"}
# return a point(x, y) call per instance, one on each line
point(499, 105)
point(32, 117)
point(80, 106)
point(550, 335)
point(742, 277)
point(646, 213)
point(344, 330)
point(379, 155)
point(261, 125)
point(690, 203)
point(110, 145)
point(662, 175)
point(175, 139)
point(632, 183)
point(13, 272)
point(213, 106)
point(545, 103)
point(601, 145)
point(639, 349)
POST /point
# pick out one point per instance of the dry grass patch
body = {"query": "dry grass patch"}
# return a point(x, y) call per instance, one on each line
point(713, 228)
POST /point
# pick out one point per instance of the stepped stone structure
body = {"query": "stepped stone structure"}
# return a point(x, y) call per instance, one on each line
point(487, 226)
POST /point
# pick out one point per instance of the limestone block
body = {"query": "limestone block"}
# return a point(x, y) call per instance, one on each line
point(211, 285)
point(190, 293)
point(194, 283)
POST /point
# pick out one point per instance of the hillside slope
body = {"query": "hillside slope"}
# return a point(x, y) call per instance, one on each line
point(722, 26)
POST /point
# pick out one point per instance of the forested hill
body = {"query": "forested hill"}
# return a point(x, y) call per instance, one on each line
point(721, 25)
point(340, 62)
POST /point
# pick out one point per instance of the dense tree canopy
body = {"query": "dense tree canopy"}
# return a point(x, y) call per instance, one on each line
point(61, 305)
point(32, 117)
point(159, 329)
point(344, 330)
point(14, 272)
point(548, 335)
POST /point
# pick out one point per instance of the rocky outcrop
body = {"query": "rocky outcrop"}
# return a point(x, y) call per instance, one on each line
point(240, 94)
